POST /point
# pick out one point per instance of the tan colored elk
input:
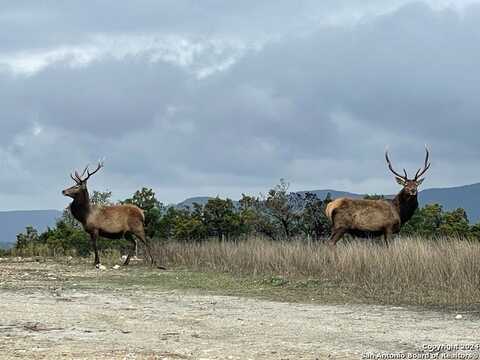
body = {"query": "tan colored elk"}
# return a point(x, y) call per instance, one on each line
point(113, 222)
point(366, 218)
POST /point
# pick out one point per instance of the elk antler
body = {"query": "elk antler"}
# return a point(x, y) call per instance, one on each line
point(404, 177)
point(426, 166)
point(74, 178)
point(99, 166)
point(78, 178)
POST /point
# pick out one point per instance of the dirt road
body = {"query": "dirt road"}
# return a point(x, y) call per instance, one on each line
point(49, 320)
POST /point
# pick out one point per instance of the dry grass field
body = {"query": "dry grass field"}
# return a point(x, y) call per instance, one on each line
point(444, 272)
point(247, 300)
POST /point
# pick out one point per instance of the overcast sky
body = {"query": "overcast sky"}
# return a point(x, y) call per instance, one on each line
point(219, 97)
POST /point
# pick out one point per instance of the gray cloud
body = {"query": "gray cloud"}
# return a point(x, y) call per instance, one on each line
point(211, 99)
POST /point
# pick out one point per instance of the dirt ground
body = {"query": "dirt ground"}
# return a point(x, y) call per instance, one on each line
point(50, 310)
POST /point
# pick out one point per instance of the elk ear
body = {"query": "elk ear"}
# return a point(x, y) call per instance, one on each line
point(400, 181)
point(419, 182)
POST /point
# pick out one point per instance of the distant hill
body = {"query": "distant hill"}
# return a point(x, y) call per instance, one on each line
point(188, 203)
point(467, 197)
point(15, 222)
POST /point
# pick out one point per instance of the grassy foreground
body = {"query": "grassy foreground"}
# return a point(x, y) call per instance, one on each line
point(411, 271)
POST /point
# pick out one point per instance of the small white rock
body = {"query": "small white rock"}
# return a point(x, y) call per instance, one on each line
point(116, 267)
point(101, 267)
point(459, 317)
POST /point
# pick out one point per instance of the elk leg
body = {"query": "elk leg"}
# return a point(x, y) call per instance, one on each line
point(336, 235)
point(387, 233)
point(93, 237)
point(132, 250)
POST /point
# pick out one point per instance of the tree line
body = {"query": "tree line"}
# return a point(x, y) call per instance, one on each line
point(277, 215)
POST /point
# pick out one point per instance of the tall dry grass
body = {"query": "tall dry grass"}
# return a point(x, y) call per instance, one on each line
point(411, 270)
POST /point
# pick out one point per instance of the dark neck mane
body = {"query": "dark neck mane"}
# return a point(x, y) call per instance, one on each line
point(80, 207)
point(406, 205)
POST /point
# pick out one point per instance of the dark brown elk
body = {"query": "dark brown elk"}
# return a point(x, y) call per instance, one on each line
point(113, 222)
point(367, 218)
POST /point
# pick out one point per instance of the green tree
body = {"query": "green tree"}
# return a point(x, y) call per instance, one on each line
point(189, 225)
point(221, 218)
point(455, 223)
point(67, 239)
point(425, 222)
point(433, 221)
point(153, 209)
point(254, 219)
point(248, 208)
point(282, 209)
point(166, 224)
point(313, 221)
point(27, 238)
point(101, 198)
point(474, 232)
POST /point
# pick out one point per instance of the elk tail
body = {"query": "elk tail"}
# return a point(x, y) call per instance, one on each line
point(331, 207)
point(329, 211)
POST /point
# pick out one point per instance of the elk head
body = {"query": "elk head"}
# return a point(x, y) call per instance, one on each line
point(410, 186)
point(80, 181)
